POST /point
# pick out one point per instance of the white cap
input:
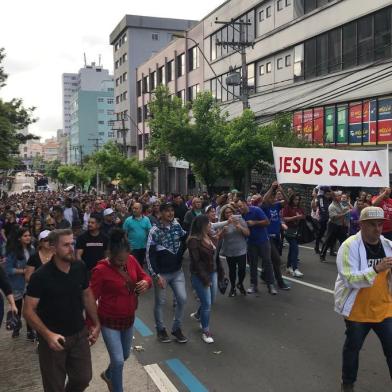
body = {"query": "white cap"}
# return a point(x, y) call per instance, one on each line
point(44, 234)
point(108, 211)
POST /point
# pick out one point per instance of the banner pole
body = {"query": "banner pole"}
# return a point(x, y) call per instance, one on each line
point(388, 164)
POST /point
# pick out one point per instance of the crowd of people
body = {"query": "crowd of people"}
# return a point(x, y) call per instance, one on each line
point(63, 253)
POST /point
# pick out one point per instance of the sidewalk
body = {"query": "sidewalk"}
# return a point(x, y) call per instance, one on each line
point(20, 369)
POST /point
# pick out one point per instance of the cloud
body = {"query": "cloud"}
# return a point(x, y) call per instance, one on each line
point(15, 66)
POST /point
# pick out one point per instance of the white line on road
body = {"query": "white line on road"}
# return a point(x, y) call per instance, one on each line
point(160, 379)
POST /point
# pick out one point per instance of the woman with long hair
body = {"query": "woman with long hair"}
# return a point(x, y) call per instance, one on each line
point(234, 247)
point(203, 271)
point(18, 251)
point(116, 283)
point(42, 255)
point(292, 215)
point(36, 229)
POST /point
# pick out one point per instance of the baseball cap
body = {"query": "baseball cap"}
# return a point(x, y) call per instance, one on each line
point(372, 213)
point(44, 234)
point(108, 211)
point(165, 206)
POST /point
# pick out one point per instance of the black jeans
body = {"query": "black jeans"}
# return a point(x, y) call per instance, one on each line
point(335, 232)
point(19, 305)
point(140, 255)
point(276, 260)
point(322, 227)
point(264, 251)
point(233, 262)
point(356, 333)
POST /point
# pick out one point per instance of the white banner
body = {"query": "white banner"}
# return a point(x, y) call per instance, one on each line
point(346, 168)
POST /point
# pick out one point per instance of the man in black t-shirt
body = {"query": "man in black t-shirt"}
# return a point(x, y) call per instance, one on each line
point(91, 246)
point(55, 300)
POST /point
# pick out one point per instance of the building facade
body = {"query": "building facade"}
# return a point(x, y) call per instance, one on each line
point(327, 62)
point(50, 149)
point(62, 139)
point(135, 39)
point(91, 121)
point(70, 84)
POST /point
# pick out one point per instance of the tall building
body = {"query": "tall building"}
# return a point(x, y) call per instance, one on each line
point(92, 118)
point(135, 39)
point(70, 82)
point(327, 62)
point(62, 140)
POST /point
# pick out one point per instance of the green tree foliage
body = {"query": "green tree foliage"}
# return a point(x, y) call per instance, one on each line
point(38, 163)
point(73, 174)
point(13, 117)
point(51, 169)
point(112, 165)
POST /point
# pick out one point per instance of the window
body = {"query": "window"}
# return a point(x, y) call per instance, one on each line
point(180, 65)
point(101, 122)
point(116, 64)
point(310, 58)
point(261, 70)
point(193, 55)
point(288, 3)
point(279, 5)
point(101, 133)
point(124, 57)
point(110, 101)
point(146, 84)
point(125, 76)
point(269, 67)
point(153, 79)
point(140, 142)
point(279, 63)
point(268, 11)
point(124, 39)
point(155, 36)
point(261, 15)
point(382, 34)
point(181, 94)
point(349, 45)
point(161, 75)
point(288, 60)
point(251, 78)
point(139, 88)
point(193, 91)
point(100, 100)
point(335, 50)
point(145, 112)
point(121, 79)
point(310, 5)
point(170, 71)
point(139, 114)
point(110, 134)
point(125, 95)
point(213, 47)
point(116, 47)
point(299, 62)
point(365, 39)
point(322, 54)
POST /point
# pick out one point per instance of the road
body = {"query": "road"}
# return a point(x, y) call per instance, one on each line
point(21, 179)
point(289, 342)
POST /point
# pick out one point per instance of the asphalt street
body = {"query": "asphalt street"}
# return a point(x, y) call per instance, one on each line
point(289, 342)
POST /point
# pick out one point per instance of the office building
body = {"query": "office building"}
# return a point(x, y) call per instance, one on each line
point(135, 39)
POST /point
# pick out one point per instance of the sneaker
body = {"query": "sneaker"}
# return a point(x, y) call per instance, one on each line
point(272, 290)
point(289, 270)
point(252, 290)
point(195, 316)
point(31, 335)
point(179, 336)
point(347, 388)
point(163, 337)
point(240, 287)
point(207, 338)
point(322, 258)
point(107, 380)
point(297, 274)
point(284, 286)
point(233, 292)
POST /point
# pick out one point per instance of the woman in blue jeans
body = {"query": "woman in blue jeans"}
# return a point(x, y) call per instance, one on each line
point(203, 272)
point(116, 283)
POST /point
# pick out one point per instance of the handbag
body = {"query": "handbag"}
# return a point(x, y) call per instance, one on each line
point(305, 233)
point(222, 285)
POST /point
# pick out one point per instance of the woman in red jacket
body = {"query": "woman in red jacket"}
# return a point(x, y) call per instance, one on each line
point(116, 282)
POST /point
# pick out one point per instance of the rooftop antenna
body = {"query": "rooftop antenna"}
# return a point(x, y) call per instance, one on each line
point(85, 61)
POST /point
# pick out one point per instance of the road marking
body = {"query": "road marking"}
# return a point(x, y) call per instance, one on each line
point(142, 328)
point(305, 247)
point(160, 379)
point(187, 378)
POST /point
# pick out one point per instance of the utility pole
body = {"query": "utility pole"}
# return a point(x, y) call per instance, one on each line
point(78, 148)
point(234, 79)
point(239, 46)
point(96, 145)
point(123, 131)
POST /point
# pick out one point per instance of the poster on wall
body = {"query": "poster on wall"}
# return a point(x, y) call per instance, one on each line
point(308, 125)
point(330, 125)
point(359, 122)
point(385, 121)
point(342, 131)
point(318, 125)
point(297, 123)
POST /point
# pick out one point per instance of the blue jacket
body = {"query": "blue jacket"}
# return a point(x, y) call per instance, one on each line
point(17, 281)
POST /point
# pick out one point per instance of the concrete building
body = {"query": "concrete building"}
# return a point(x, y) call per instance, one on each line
point(179, 66)
point(62, 140)
point(92, 115)
point(50, 149)
point(70, 84)
point(325, 61)
point(135, 39)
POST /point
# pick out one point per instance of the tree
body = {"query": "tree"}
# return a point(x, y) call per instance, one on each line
point(112, 165)
point(38, 163)
point(73, 174)
point(13, 117)
point(173, 132)
point(51, 169)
